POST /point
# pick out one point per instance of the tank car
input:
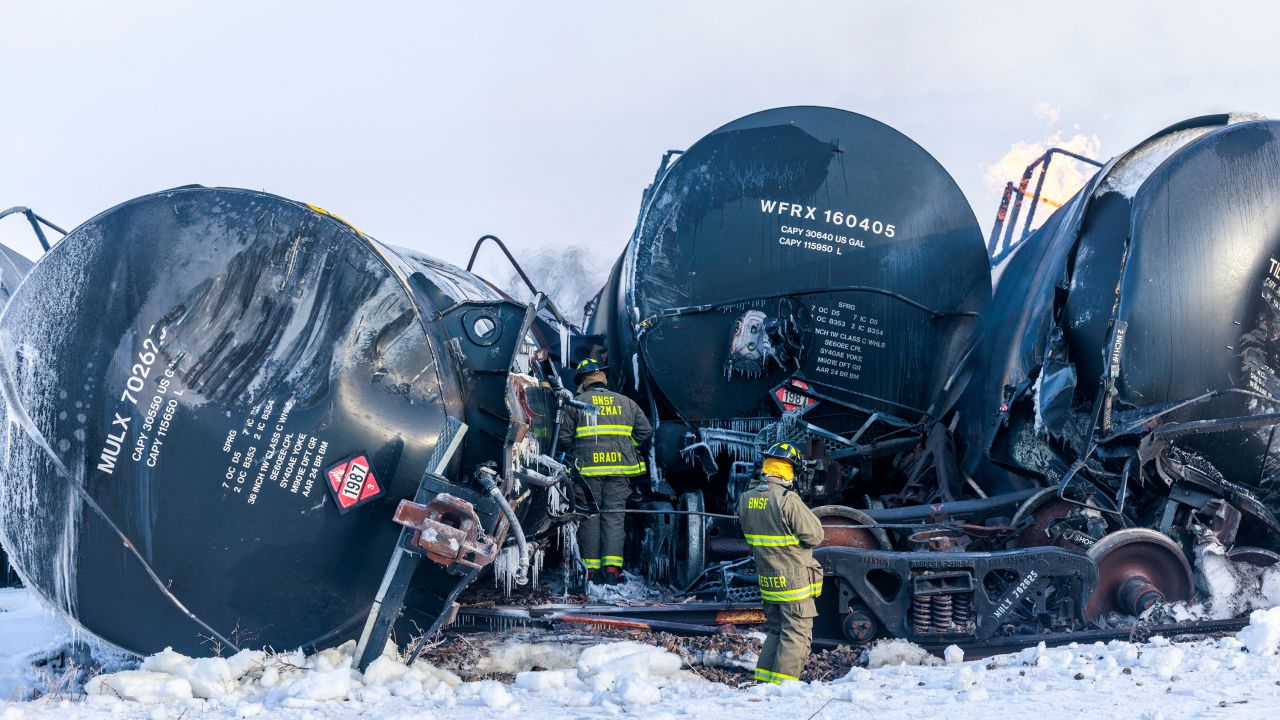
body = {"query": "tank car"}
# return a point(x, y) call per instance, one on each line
point(236, 420)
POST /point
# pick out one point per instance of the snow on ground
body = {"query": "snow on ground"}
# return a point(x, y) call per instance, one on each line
point(1230, 677)
point(28, 633)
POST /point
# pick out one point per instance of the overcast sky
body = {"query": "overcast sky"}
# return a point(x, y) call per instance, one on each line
point(428, 124)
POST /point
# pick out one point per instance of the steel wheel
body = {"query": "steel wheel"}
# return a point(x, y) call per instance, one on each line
point(1043, 508)
point(1137, 568)
point(835, 516)
point(691, 540)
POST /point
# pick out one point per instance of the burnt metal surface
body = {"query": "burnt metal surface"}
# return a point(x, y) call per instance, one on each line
point(1255, 556)
point(1212, 246)
point(13, 268)
point(1046, 519)
point(1143, 310)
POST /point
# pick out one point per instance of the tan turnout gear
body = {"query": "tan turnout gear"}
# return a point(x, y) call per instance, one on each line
point(608, 442)
point(782, 531)
point(606, 451)
point(601, 538)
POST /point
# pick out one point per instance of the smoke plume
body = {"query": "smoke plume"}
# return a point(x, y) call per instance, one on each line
point(1066, 175)
point(569, 275)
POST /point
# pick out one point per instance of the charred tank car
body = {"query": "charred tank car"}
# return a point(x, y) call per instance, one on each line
point(1133, 355)
point(806, 274)
point(236, 420)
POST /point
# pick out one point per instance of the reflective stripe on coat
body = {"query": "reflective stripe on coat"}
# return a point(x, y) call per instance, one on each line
point(781, 531)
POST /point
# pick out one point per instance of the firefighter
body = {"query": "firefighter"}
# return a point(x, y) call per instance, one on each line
point(782, 532)
point(606, 449)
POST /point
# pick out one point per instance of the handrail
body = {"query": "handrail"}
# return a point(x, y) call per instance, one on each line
point(36, 221)
point(501, 246)
point(1006, 213)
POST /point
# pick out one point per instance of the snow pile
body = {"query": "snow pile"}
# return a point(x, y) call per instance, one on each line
point(618, 674)
point(1229, 589)
point(257, 678)
point(516, 656)
point(615, 674)
point(29, 635)
point(954, 655)
point(1262, 634)
point(142, 686)
point(207, 677)
point(897, 652)
point(632, 679)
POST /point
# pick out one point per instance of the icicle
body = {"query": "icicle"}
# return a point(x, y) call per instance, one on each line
point(572, 558)
point(505, 566)
point(556, 504)
point(535, 565)
point(738, 443)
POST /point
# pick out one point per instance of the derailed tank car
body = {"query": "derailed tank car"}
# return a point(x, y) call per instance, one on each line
point(1132, 352)
point(1102, 432)
point(806, 274)
point(237, 420)
point(14, 266)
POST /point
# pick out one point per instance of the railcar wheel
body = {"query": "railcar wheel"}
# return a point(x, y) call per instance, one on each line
point(1137, 568)
point(839, 524)
point(691, 539)
point(859, 626)
point(1255, 556)
point(1042, 510)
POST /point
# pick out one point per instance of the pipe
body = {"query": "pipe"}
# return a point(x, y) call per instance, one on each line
point(876, 449)
point(489, 481)
point(537, 479)
point(1008, 501)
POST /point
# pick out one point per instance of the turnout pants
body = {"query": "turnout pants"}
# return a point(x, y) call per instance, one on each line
point(601, 538)
point(786, 646)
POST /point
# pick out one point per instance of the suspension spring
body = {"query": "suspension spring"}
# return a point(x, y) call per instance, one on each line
point(962, 611)
point(942, 613)
point(921, 614)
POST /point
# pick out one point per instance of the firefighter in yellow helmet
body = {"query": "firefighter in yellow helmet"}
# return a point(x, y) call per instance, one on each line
point(782, 532)
point(606, 450)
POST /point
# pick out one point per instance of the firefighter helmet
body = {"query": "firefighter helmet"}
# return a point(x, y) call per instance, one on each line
point(785, 451)
point(588, 366)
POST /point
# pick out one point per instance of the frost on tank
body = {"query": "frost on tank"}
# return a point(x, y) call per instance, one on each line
point(24, 445)
point(1134, 168)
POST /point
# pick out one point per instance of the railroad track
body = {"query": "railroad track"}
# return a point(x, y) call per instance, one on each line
point(721, 618)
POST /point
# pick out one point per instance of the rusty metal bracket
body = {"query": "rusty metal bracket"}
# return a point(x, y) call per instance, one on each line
point(448, 531)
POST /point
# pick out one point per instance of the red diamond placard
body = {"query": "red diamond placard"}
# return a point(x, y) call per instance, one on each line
point(352, 482)
point(790, 400)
